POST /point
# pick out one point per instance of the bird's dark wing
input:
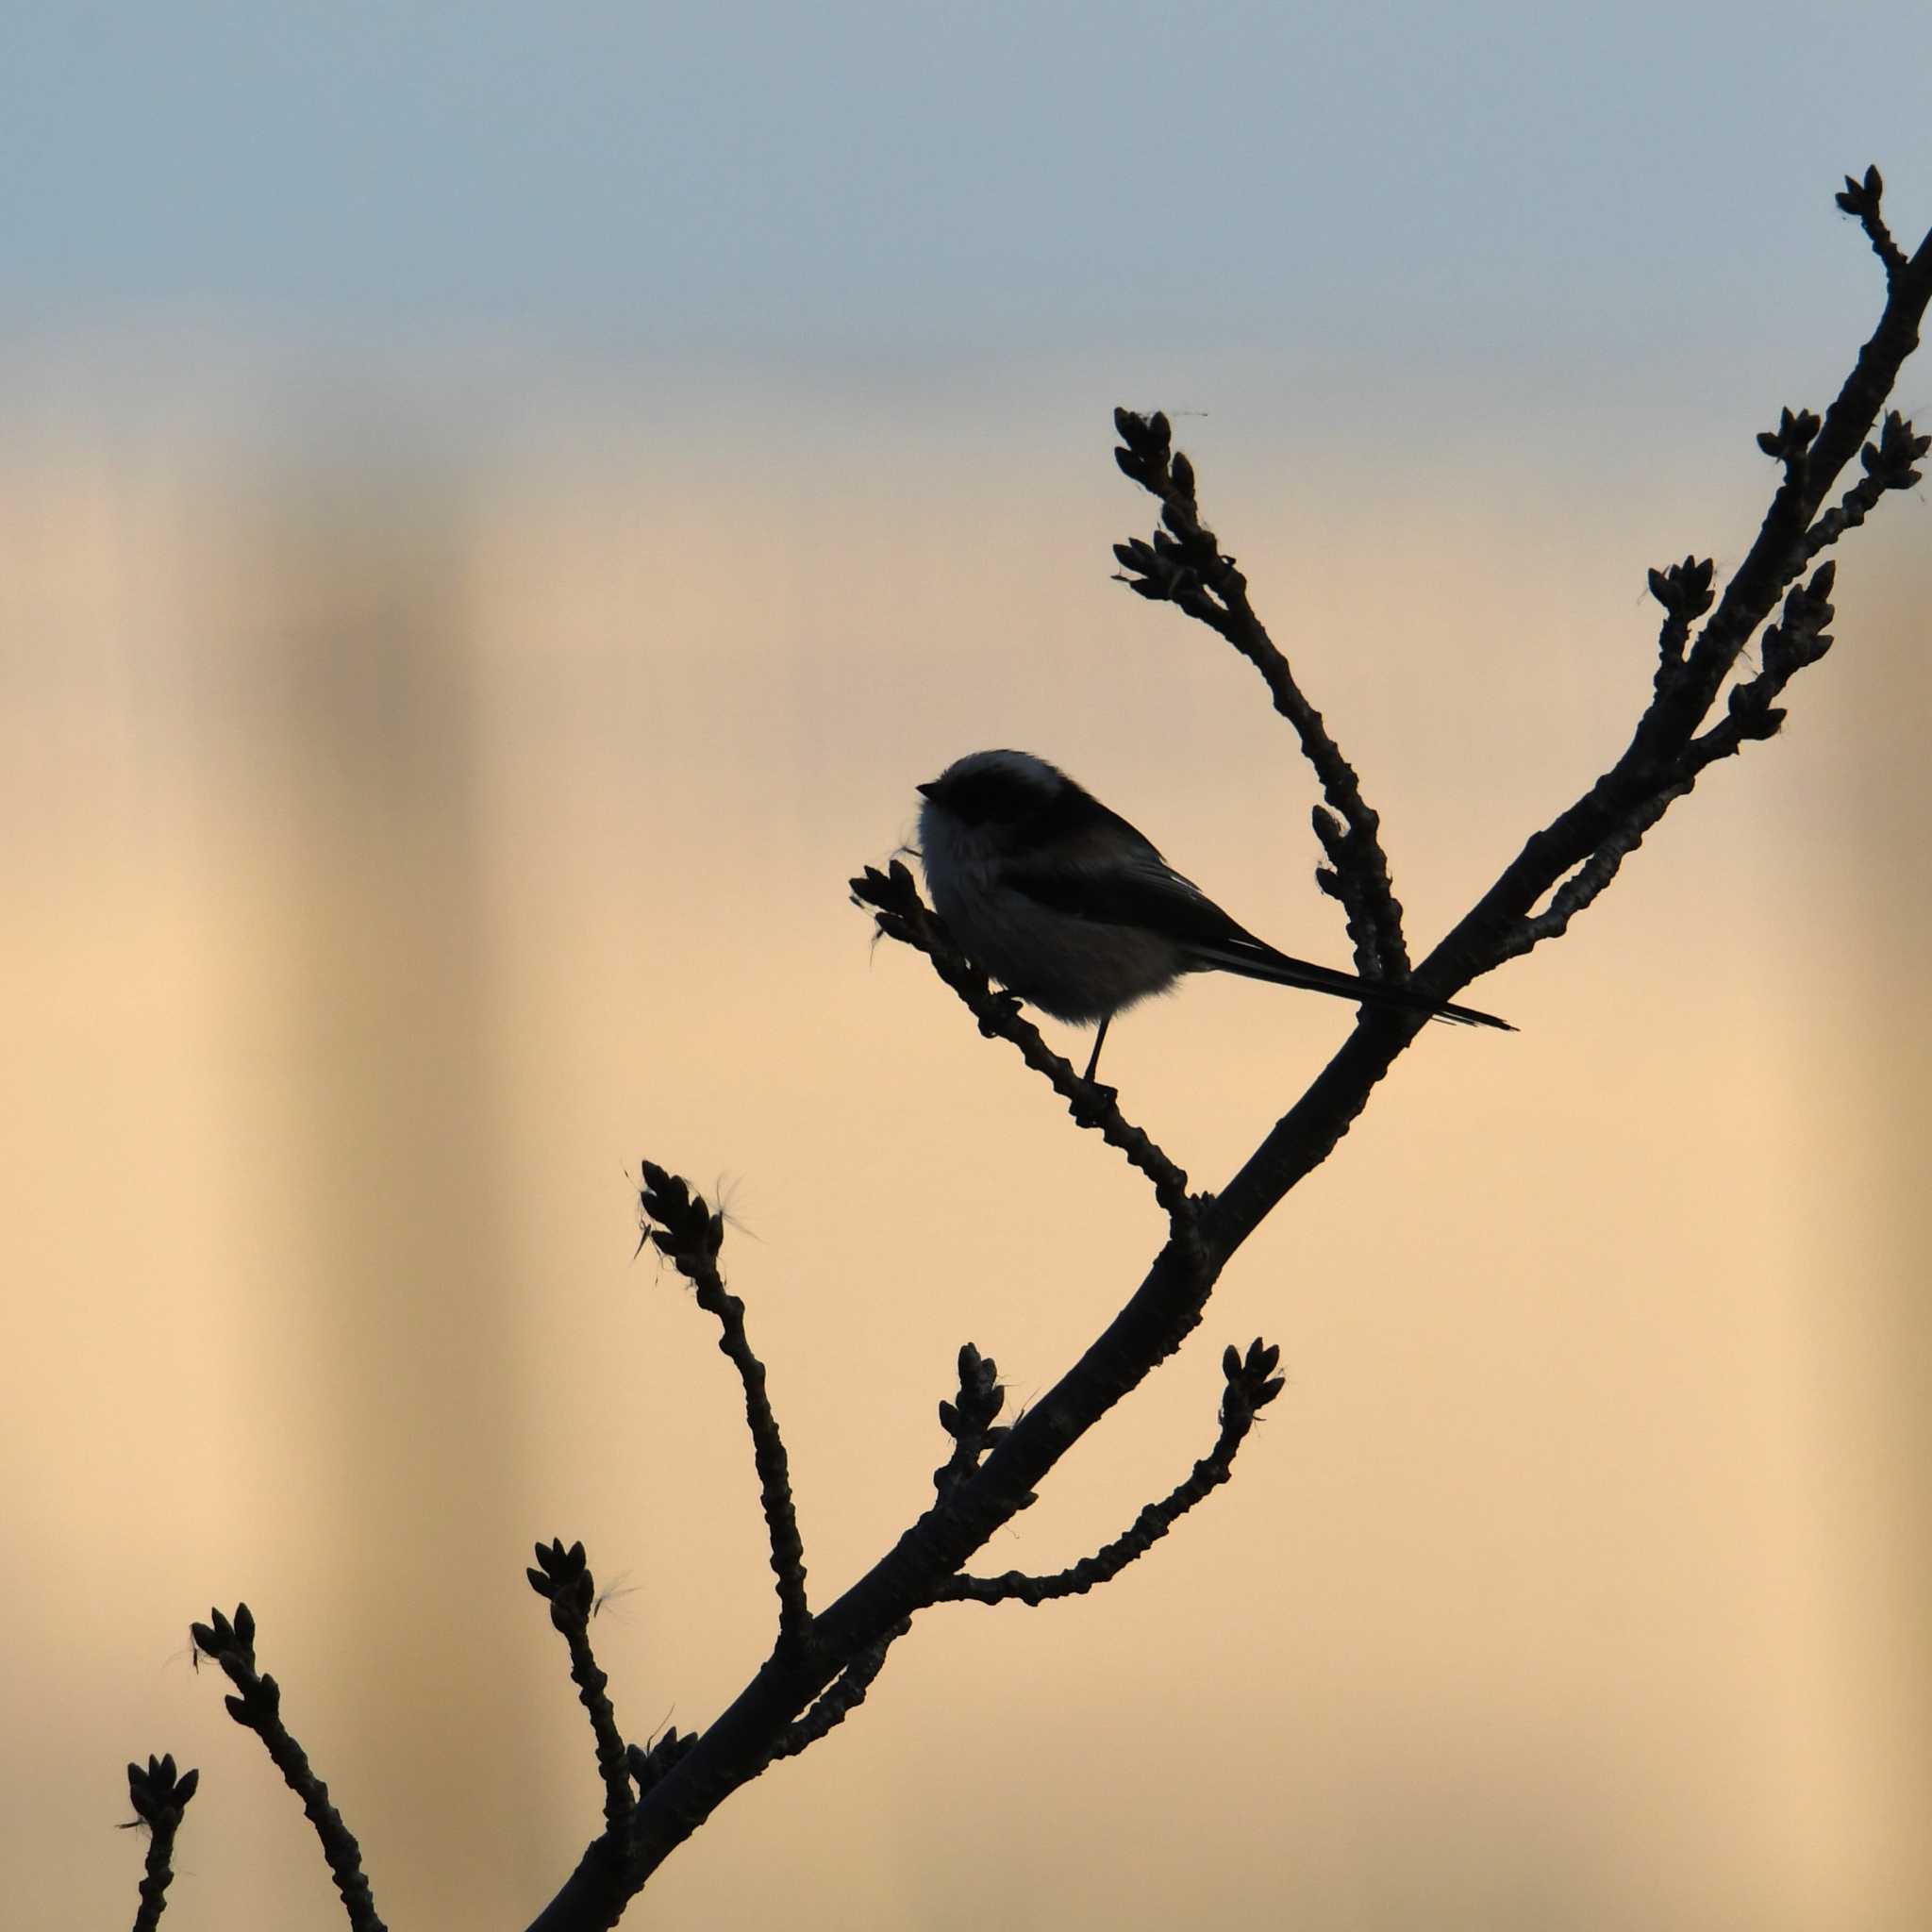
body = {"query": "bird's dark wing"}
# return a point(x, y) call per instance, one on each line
point(1155, 897)
point(1148, 894)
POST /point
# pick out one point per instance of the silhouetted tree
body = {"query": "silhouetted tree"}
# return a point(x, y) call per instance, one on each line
point(823, 1663)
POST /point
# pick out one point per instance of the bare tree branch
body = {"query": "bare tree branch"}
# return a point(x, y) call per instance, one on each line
point(1575, 856)
point(1252, 1384)
point(159, 1796)
point(562, 1577)
point(258, 1707)
point(649, 1764)
point(1861, 198)
point(821, 1665)
point(738, 1744)
point(1581, 888)
point(1184, 565)
point(684, 1228)
point(844, 1696)
point(969, 1419)
point(1889, 465)
point(902, 914)
point(1657, 760)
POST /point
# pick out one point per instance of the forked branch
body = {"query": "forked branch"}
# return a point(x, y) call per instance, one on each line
point(1252, 1384)
point(822, 1664)
point(1184, 565)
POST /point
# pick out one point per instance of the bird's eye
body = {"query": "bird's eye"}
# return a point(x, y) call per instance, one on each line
point(978, 801)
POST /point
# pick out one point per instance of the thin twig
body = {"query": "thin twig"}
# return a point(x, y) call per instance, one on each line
point(1184, 565)
point(1779, 552)
point(684, 1228)
point(1861, 198)
point(902, 914)
point(1252, 1384)
point(159, 1796)
point(257, 1706)
point(836, 1704)
point(1596, 872)
point(969, 1419)
point(562, 1577)
point(1890, 463)
point(1665, 749)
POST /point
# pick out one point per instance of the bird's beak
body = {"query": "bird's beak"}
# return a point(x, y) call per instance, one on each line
point(929, 789)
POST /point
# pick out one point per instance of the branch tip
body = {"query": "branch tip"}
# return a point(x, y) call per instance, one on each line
point(683, 1227)
point(969, 1419)
point(1185, 565)
point(158, 1792)
point(1251, 1385)
point(256, 1706)
point(1890, 461)
point(1861, 199)
point(649, 1765)
point(159, 1795)
point(562, 1577)
point(677, 1222)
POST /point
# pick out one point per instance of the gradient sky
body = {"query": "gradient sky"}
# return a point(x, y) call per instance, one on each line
point(1019, 175)
point(498, 509)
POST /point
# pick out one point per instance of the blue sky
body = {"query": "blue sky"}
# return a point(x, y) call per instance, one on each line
point(1046, 175)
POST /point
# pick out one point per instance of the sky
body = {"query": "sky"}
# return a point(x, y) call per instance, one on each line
point(994, 176)
point(498, 511)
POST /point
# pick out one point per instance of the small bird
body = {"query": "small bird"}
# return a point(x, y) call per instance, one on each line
point(1065, 904)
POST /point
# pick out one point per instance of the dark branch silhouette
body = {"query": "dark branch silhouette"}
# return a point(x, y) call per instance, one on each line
point(1252, 1384)
point(159, 1796)
point(822, 1664)
point(685, 1230)
point(969, 1419)
point(902, 914)
point(1183, 565)
point(842, 1699)
point(562, 1577)
point(256, 1706)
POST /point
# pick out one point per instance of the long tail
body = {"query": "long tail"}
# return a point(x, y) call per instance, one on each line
point(1264, 962)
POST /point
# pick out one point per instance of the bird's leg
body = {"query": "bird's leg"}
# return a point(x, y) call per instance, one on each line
point(1099, 1040)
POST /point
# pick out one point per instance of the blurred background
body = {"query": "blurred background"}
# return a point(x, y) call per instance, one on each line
point(498, 509)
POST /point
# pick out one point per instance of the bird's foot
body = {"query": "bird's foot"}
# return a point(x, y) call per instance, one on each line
point(1093, 1100)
